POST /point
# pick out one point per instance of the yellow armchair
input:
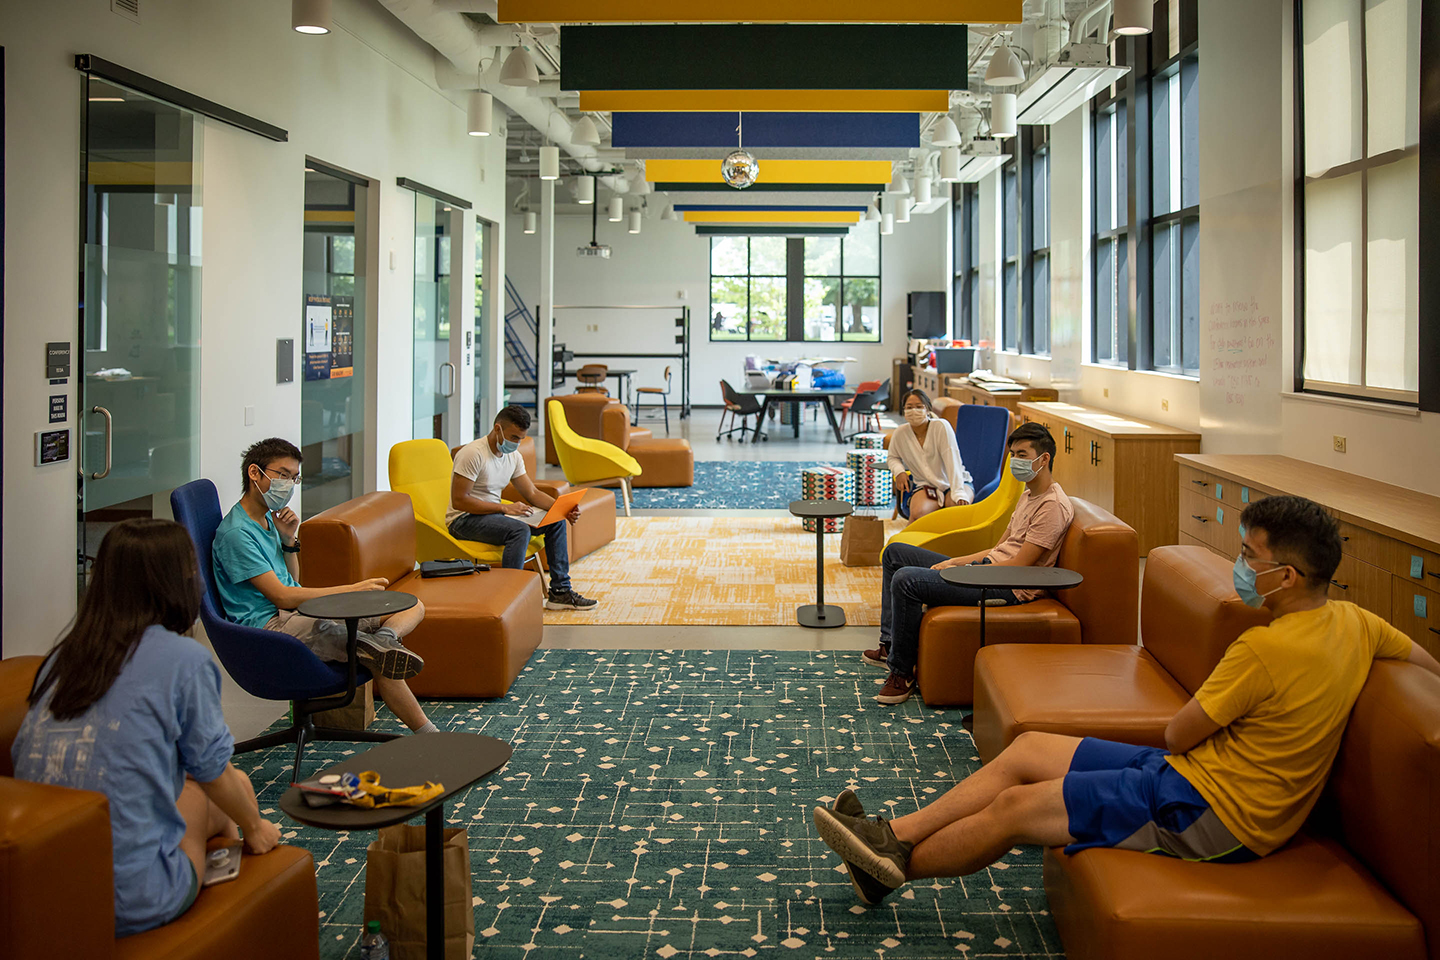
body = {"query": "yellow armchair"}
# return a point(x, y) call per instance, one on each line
point(422, 469)
point(959, 531)
point(588, 462)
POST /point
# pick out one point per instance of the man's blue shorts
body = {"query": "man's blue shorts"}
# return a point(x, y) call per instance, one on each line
point(1130, 798)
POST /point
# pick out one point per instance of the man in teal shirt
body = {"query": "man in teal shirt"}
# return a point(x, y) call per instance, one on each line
point(256, 561)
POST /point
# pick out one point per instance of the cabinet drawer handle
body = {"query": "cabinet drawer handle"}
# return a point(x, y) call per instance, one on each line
point(1203, 483)
point(1196, 516)
point(1337, 583)
point(1434, 629)
point(1346, 539)
point(1432, 573)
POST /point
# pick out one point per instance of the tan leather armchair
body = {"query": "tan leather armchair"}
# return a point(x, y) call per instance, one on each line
point(666, 462)
point(478, 630)
point(56, 871)
point(1189, 615)
point(1101, 548)
point(582, 413)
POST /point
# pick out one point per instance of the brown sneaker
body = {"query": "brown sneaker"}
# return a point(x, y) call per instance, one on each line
point(879, 657)
point(897, 689)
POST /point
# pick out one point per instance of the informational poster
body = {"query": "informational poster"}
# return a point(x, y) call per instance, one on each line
point(329, 337)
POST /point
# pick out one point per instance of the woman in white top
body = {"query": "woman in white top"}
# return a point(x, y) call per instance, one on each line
point(925, 461)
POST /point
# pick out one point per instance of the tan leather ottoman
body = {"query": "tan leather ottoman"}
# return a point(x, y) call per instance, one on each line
point(665, 463)
point(1114, 692)
point(950, 638)
point(478, 631)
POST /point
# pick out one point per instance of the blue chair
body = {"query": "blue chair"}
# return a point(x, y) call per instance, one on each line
point(981, 432)
point(265, 663)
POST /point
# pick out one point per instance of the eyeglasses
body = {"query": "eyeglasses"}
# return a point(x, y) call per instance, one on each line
point(281, 476)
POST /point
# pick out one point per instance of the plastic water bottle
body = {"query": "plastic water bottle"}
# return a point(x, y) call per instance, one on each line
point(373, 945)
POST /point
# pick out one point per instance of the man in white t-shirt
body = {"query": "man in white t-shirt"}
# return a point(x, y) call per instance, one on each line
point(482, 469)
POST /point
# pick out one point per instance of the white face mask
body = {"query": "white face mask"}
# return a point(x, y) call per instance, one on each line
point(916, 415)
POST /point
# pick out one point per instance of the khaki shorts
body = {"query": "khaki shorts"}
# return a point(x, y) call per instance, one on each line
point(325, 638)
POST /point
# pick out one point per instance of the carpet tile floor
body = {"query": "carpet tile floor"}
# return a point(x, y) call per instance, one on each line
point(658, 805)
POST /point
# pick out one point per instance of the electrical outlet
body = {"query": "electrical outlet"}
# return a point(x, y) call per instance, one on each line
point(1165, 405)
point(1107, 392)
point(1339, 444)
point(682, 294)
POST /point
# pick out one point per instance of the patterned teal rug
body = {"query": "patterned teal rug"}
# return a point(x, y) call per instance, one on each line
point(732, 485)
point(658, 805)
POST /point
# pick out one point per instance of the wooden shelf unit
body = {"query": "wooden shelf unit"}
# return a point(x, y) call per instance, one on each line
point(1390, 546)
point(1122, 464)
point(967, 392)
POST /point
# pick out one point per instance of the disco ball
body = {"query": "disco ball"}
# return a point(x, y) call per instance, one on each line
point(740, 170)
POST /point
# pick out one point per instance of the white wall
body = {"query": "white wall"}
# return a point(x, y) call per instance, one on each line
point(667, 257)
point(362, 98)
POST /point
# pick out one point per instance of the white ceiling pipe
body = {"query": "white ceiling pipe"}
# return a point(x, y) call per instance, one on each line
point(1082, 23)
point(457, 39)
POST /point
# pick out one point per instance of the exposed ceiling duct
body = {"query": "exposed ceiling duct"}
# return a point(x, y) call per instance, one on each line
point(464, 44)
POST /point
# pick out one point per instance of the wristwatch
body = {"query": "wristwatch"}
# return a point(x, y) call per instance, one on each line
point(292, 549)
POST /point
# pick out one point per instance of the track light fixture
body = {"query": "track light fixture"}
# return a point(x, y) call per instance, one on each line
point(669, 213)
point(1005, 69)
point(898, 184)
point(922, 188)
point(584, 134)
point(950, 165)
point(887, 224)
point(1002, 115)
point(872, 213)
point(617, 210)
point(550, 163)
point(945, 134)
point(530, 221)
point(584, 189)
point(310, 16)
point(635, 220)
point(1134, 17)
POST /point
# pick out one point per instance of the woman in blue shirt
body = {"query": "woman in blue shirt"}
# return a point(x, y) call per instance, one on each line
point(126, 706)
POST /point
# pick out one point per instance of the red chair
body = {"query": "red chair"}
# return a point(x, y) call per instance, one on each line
point(867, 387)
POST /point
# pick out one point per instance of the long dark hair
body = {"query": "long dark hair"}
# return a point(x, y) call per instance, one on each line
point(145, 574)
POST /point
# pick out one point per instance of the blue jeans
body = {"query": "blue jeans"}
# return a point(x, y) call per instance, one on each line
point(909, 586)
point(514, 536)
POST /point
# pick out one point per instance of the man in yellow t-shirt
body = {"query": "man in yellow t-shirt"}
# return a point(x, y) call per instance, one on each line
point(1248, 755)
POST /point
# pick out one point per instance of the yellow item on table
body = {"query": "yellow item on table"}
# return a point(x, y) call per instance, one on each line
point(372, 794)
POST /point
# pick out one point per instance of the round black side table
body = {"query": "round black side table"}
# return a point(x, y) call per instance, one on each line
point(820, 614)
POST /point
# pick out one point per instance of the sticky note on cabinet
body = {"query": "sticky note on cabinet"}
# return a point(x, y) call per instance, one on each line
point(1417, 566)
point(1420, 606)
point(1244, 494)
point(1219, 491)
point(1219, 514)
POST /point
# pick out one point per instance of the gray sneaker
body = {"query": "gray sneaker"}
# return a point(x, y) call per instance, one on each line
point(867, 888)
point(384, 654)
point(868, 844)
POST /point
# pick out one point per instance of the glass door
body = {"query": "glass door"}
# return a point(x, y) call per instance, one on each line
point(333, 340)
point(434, 374)
point(482, 305)
point(139, 357)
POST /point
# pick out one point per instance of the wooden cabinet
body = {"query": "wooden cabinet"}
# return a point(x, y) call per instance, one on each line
point(1389, 536)
point(1119, 463)
point(960, 388)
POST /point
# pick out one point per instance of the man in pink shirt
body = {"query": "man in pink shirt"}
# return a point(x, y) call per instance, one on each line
point(912, 578)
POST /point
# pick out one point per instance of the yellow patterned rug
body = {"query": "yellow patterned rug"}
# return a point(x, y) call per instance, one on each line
point(704, 571)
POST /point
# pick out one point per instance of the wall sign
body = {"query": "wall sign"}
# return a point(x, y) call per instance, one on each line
point(57, 360)
point(52, 446)
point(59, 408)
point(329, 337)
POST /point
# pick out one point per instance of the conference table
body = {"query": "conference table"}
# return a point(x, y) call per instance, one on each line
point(825, 395)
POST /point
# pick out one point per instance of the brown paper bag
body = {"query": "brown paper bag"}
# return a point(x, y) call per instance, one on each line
point(357, 716)
point(395, 891)
point(862, 541)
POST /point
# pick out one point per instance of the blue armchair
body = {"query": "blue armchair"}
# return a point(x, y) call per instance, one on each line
point(981, 433)
point(266, 663)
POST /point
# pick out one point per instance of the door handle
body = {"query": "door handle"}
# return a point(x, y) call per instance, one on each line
point(447, 391)
point(109, 436)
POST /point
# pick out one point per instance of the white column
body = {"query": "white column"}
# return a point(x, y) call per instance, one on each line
point(491, 327)
point(544, 365)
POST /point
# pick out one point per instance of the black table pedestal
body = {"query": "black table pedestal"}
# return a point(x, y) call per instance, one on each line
point(820, 615)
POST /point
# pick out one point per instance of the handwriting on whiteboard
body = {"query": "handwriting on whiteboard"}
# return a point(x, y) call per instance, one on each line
point(1242, 342)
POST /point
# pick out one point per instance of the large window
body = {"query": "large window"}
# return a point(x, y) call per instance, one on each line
point(814, 289)
point(1035, 149)
point(1010, 256)
point(966, 295)
point(1148, 127)
point(1110, 342)
point(1359, 198)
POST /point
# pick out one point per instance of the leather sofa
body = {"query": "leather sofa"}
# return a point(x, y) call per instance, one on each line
point(596, 526)
point(478, 630)
point(58, 886)
point(1098, 546)
point(1361, 879)
point(1189, 615)
point(666, 462)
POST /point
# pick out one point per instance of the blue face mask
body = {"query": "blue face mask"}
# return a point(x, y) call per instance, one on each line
point(508, 446)
point(1244, 576)
point(1023, 470)
point(279, 494)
